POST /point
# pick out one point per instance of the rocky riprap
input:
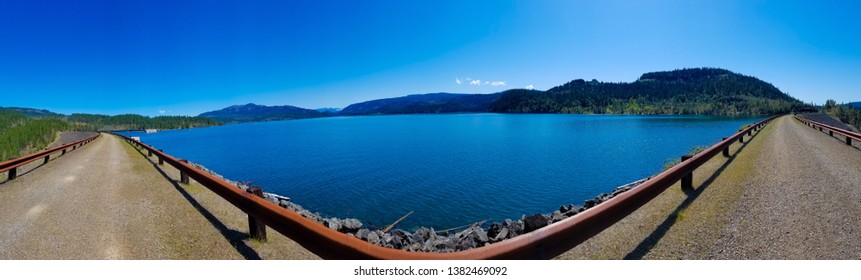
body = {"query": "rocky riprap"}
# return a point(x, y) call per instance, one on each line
point(427, 239)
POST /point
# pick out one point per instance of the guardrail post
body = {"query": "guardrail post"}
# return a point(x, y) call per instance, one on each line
point(13, 173)
point(183, 178)
point(688, 180)
point(47, 158)
point(149, 153)
point(256, 228)
point(160, 159)
point(831, 133)
point(63, 153)
point(749, 132)
point(725, 149)
point(848, 141)
point(741, 139)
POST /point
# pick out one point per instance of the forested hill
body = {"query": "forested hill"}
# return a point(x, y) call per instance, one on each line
point(21, 134)
point(423, 104)
point(93, 122)
point(708, 91)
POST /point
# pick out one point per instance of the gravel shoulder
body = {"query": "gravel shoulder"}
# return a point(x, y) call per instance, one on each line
point(789, 193)
point(108, 201)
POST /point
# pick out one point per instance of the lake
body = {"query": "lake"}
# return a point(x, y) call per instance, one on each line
point(450, 169)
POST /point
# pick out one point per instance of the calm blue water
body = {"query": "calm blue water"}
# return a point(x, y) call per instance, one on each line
point(450, 169)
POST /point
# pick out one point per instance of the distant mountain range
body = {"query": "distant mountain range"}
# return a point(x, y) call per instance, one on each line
point(856, 104)
point(424, 104)
point(702, 91)
point(254, 113)
point(411, 104)
point(328, 110)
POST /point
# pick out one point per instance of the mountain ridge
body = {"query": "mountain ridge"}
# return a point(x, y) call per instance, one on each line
point(428, 103)
point(700, 91)
point(32, 112)
point(696, 91)
point(252, 112)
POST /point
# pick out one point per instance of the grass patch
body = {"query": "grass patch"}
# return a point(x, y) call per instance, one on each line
point(680, 214)
point(133, 152)
point(670, 162)
point(194, 188)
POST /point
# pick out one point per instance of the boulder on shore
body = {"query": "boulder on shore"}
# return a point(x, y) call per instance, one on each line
point(535, 222)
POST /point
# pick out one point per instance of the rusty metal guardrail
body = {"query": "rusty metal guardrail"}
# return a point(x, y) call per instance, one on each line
point(849, 135)
point(12, 165)
point(543, 243)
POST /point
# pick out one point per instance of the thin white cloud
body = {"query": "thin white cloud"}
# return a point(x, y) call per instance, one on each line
point(477, 82)
point(530, 87)
point(162, 112)
point(457, 80)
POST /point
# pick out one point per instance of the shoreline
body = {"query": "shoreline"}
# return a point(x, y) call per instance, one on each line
point(428, 239)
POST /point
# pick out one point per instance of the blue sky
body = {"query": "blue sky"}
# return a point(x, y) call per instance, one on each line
point(188, 57)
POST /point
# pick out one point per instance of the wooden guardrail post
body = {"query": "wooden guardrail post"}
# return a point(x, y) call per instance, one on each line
point(63, 152)
point(688, 180)
point(47, 158)
point(149, 152)
point(831, 133)
point(741, 139)
point(256, 228)
point(848, 141)
point(183, 178)
point(726, 149)
point(13, 173)
point(160, 159)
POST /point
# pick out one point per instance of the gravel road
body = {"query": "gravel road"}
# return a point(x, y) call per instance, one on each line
point(108, 201)
point(791, 192)
point(805, 203)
